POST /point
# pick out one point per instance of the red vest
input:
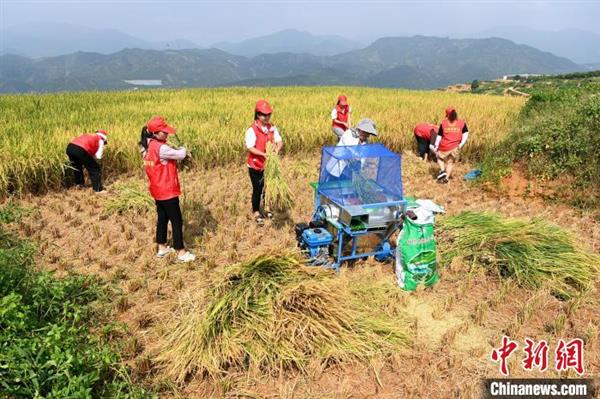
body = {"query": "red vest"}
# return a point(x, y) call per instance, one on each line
point(342, 116)
point(163, 179)
point(451, 134)
point(424, 130)
point(256, 161)
point(89, 142)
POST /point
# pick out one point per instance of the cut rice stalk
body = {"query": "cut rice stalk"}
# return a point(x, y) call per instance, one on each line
point(273, 313)
point(278, 195)
point(532, 251)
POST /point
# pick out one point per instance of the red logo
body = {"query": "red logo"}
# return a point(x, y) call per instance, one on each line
point(503, 353)
point(568, 355)
point(536, 355)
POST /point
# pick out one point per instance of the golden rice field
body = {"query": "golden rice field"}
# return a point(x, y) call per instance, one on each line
point(211, 122)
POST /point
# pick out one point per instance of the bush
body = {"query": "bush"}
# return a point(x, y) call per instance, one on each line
point(554, 136)
point(46, 347)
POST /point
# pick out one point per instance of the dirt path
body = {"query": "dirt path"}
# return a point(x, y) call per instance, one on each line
point(457, 322)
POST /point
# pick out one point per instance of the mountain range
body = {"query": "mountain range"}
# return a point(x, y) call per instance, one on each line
point(49, 39)
point(412, 62)
point(578, 45)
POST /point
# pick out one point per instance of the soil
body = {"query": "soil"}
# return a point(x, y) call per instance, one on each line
point(457, 322)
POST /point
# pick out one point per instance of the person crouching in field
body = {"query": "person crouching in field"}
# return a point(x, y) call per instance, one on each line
point(340, 116)
point(258, 134)
point(425, 134)
point(86, 150)
point(161, 168)
point(452, 136)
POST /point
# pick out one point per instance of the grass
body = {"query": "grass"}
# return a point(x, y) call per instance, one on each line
point(272, 313)
point(211, 122)
point(552, 142)
point(533, 252)
point(46, 346)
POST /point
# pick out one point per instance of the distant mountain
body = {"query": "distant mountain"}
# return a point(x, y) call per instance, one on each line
point(413, 62)
point(290, 41)
point(427, 62)
point(53, 39)
point(592, 67)
point(577, 45)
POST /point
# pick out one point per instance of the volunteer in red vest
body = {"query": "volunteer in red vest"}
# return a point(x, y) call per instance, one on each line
point(425, 134)
point(86, 150)
point(160, 163)
point(340, 116)
point(452, 136)
point(256, 138)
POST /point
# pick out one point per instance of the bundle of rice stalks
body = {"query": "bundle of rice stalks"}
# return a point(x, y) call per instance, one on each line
point(532, 251)
point(272, 313)
point(130, 198)
point(277, 193)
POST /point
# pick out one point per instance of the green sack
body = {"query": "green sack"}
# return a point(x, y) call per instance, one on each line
point(416, 258)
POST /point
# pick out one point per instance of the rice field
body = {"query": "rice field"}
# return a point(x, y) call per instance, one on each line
point(211, 123)
point(219, 328)
point(248, 319)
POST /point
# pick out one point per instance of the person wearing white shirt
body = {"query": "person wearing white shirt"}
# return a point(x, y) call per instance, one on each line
point(340, 116)
point(85, 151)
point(258, 134)
point(359, 134)
point(356, 136)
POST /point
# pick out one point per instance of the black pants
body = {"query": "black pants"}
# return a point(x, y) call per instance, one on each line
point(168, 210)
point(80, 158)
point(258, 186)
point(423, 145)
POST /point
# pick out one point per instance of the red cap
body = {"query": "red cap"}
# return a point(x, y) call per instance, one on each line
point(449, 111)
point(342, 100)
point(104, 132)
point(158, 124)
point(263, 107)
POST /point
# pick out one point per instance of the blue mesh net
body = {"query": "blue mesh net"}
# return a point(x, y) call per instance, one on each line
point(360, 175)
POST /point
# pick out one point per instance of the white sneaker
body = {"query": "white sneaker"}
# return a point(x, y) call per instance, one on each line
point(164, 252)
point(186, 257)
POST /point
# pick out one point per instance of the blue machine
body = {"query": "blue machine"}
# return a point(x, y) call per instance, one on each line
point(316, 240)
point(358, 196)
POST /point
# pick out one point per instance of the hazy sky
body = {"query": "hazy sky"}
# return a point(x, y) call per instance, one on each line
point(206, 22)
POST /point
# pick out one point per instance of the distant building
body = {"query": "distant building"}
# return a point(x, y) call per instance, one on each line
point(522, 75)
point(145, 82)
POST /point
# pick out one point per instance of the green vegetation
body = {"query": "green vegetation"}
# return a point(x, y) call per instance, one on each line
point(532, 251)
point(46, 347)
point(556, 137)
point(272, 313)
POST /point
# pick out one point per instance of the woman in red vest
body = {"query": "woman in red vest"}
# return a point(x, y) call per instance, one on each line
point(256, 138)
point(86, 150)
point(452, 136)
point(425, 134)
point(160, 163)
point(340, 116)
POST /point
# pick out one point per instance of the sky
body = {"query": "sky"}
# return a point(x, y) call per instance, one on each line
point(207, 22)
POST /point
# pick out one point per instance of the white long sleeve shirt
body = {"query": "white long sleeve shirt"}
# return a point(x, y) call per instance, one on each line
point(250, 137)
point(101, 144)
point(167, 153)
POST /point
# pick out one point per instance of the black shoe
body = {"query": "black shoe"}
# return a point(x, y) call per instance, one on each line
point(443, 181)
point(441, 175)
